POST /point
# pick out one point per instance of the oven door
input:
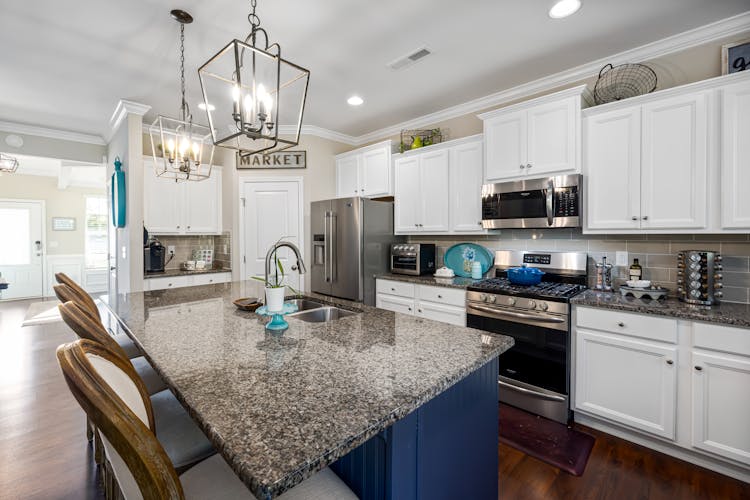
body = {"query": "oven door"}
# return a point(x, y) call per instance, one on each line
point(405, 264)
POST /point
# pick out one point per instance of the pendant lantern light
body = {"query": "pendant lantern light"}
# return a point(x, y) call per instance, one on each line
point(8, 163)
point(182, 150)
point(254, 98)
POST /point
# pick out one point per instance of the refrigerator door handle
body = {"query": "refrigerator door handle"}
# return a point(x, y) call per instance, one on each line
point(326, 247)
point(334, 244)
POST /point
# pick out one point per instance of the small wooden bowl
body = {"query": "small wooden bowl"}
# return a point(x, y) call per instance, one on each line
point(248, 303)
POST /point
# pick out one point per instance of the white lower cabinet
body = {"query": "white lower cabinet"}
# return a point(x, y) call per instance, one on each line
point(167, 282)
point(446, 305)
point(630, 381)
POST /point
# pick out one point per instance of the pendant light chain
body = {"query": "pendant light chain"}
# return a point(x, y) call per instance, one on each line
point(186, 116)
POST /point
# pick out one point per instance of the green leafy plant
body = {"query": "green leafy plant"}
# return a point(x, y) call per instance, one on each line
point(276, 280)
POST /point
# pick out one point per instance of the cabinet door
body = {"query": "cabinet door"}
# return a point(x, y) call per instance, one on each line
point(163, 200)
point(444, 314)
point(408, 190)
point(674, 168)
point(466, 187)
point(203, 205)
point(434, 172)
point(735, 156)
point(505, 146)
point(721, 405)
point(553, 136)
point(612, 168)
point(627, 381)
point(347, 176)
point(375, 170)
point(395, 304)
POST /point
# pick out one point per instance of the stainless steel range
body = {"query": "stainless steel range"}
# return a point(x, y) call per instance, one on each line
point(535, 373)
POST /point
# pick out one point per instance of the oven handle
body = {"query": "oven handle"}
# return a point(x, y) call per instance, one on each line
point(549, 397)
point(534, 317)
point(550, 199)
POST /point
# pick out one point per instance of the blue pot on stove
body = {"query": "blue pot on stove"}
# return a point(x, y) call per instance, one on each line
point(525, 275)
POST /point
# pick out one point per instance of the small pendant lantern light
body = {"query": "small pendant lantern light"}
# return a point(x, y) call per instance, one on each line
point(8, 164)
point(182, 150)
point(250, 92)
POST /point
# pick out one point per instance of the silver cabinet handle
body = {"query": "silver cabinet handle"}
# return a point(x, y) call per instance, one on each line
point(499, 313)
point(542, 395)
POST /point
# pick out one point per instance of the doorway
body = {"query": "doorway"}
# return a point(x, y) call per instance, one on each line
point(22, 250)
point(270, 210)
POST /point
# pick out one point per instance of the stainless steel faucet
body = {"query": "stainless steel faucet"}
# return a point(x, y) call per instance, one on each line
point(275, 247)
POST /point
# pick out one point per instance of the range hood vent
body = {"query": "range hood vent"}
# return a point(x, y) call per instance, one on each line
point(409, 59)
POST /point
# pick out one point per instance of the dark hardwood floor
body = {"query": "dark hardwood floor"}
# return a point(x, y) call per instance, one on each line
point(44, 453)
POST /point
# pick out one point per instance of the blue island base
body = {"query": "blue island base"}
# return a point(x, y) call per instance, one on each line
point(446, 449)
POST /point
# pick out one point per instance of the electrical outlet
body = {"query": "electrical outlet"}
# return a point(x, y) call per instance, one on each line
point(621, 258)
point(170, 249)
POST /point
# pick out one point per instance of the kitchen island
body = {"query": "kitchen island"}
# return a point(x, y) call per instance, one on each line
point(397, 406)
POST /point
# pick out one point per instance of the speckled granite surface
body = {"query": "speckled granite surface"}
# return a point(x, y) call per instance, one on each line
point(281, 408)
point(168, 273)
point(726, 313)
point(428, 279)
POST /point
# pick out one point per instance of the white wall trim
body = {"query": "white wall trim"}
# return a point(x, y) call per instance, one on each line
point(123, 109)
point(50, 133)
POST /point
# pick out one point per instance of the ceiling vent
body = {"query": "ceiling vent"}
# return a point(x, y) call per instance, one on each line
point(409, 59)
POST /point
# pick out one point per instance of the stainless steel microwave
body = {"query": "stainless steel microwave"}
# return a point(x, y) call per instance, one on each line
point(533, 203)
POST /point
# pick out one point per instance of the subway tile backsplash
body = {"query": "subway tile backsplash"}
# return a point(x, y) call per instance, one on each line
point(184, 246)
point(657, 254)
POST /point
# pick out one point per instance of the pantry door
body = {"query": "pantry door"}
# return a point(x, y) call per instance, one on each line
point(22, 248)
point(270, 210)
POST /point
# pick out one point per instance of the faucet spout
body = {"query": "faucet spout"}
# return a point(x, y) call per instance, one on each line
point(274, 248)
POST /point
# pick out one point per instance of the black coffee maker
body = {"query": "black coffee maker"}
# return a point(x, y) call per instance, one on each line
point(154, 254)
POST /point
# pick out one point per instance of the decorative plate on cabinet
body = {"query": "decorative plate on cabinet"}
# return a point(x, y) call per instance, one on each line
point(459, 258)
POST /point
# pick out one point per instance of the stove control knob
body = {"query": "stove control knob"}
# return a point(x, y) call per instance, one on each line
point(483, 297)
point(532, 304)
point(543, 306)
point(512, 301)
point(492, 299)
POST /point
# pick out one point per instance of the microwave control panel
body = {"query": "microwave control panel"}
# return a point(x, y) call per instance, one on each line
point(566, 202)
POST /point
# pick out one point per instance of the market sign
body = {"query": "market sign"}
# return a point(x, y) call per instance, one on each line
point(278, 160)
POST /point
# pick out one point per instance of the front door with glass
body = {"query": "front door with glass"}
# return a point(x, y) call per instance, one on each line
point(22, 248)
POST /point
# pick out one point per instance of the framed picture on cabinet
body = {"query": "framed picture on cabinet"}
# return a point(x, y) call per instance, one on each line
point(735, 57)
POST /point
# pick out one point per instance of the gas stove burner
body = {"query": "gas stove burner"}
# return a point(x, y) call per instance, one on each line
point(543, 289)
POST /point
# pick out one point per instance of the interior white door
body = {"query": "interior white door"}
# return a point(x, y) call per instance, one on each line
point(22, 248)
point(203, 206)
point(162, 198)
point(407, 195)
point(272, 211)
point(612, 167)
point(552, 137)
point(347, 176)
point(735, 156)
point(434, 173)
point(376, 172)
point(505, 146)
point(466, 187)
point(674, 181)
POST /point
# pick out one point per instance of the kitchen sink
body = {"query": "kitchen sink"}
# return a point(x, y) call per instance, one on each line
point(322, 314)
point(305, 304)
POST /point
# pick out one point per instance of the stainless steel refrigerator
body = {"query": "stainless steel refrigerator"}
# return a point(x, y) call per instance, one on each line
point(351, 239)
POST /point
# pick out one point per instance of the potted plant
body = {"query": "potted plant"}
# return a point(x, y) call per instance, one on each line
point(275, 287)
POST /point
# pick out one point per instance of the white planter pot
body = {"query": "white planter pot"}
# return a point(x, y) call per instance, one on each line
point(275, 299)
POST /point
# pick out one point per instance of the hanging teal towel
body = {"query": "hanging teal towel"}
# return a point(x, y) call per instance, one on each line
point(118, 195)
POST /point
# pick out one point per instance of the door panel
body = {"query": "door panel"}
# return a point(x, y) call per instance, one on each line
point(162, 201)
point(203, 209)
point(466, 187)
point(346, 267)
point(318, 265)
point(612, 168)
point(552, 137)
point(22, 248)
point(735, 156)
point(347, 176)
point(505, 146)
point(376, 176)
point(435, 184)
point(272, 212)
point(408, 195)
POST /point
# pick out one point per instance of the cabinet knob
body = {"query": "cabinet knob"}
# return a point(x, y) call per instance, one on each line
point(409, 308)
point(528, 165)
point(523, 166)
point(419, 310)
point(416, 225)
point(393, 289)
point(670, 362)
point(621, 324)
point(480, 222)
point(699, 368)
point(635, 217)
point(645, 217)
point(440, 296)
point(188, 227)
point(178, 227)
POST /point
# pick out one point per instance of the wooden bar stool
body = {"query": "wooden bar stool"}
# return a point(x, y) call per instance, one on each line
point(110, 392)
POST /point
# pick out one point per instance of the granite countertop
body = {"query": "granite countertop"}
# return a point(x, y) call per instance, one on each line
point(280, 408)
point(726, 313)
point(168, 273)
point(429, 279)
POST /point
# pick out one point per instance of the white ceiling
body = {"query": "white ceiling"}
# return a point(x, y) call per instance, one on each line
point(66, 64)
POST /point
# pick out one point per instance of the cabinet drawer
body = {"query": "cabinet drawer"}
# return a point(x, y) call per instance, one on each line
point(442, 295)
point(395, 304)
point(396, 288)
point(442, 313)
point(165, 283)
point(721, 338)
point(207, 279)
point(622, 323)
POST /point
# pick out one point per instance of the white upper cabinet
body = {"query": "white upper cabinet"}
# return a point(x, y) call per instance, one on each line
point(186, 207)
point(613, 180)
point(534, 138)
point(438, 189)
point(674, 163)
point(365, 172)
point(466, 187)
point(735, 156)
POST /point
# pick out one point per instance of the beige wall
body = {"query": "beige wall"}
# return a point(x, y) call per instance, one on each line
point(70, 202)
point(55, 148)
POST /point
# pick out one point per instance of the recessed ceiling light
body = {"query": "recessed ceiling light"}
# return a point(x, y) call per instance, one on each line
point(202, 105)
point(355, 100)
point(564, 8)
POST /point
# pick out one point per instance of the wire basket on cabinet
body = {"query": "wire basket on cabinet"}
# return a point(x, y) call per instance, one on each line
point(621, 82)
point(422, 137)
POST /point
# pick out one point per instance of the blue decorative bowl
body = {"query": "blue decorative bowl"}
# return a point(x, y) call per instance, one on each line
point(525, 275)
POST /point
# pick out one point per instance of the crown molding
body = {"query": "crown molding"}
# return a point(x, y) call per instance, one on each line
point(316, 131)
point(123, 109)
point(723, 28)
point(50, 133)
